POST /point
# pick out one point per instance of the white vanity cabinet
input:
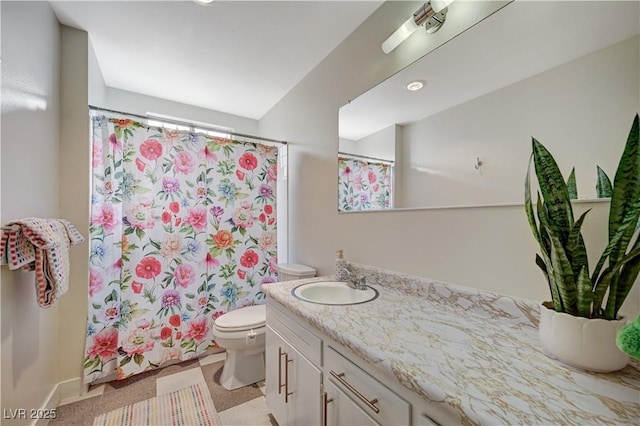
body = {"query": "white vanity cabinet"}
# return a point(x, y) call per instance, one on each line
point(339, 409)
point(308, 382)
point(379, 402)
point(293, 381)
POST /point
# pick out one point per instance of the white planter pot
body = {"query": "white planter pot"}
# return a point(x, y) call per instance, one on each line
point(586, 343)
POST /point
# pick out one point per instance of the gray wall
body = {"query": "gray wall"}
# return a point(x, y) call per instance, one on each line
point(488, 248)
point(29, 182)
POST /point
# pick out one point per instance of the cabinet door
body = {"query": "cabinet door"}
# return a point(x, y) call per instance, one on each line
point(340, 410)
point(292, 383)
point(274, 345)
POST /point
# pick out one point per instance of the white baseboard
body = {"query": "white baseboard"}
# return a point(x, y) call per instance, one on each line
point(48, 409)
point(72, 389)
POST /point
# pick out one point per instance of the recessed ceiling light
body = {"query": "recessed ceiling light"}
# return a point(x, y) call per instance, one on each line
point(415, 85)
point(203, 2)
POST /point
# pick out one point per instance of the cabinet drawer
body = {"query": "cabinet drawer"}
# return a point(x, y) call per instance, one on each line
point(299, 337)
point(381, 403)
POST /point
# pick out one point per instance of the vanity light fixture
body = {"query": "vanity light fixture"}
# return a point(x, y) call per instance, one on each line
point(432, 14)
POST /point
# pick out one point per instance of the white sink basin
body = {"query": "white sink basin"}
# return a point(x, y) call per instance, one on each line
point(333, 293)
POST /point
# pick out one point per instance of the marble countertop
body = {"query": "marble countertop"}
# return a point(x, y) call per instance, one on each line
point(476, 353)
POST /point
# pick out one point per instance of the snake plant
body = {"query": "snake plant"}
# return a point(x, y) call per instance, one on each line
point(604, 189)
point(563, 255)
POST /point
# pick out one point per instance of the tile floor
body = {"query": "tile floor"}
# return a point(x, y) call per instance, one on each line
point(240, 407)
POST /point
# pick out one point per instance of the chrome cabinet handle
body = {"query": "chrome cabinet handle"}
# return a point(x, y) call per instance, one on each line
point(325, 402)
point(425, 416)
point(286, 378)
point(370, 404)
point(280, 385)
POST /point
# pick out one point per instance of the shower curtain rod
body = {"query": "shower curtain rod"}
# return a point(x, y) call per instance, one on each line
point(364, 157)
point(186, 123)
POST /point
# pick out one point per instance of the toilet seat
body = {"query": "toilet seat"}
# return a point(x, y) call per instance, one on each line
point(242, 319)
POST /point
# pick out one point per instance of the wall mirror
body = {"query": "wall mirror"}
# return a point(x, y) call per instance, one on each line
point(566, 73)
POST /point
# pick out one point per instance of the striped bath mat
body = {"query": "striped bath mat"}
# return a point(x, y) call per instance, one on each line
point(187, 407)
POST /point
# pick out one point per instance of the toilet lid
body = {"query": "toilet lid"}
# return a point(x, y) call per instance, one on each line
point(243, 318)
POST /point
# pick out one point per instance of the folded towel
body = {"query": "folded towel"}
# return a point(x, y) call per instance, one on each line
point(41, 245)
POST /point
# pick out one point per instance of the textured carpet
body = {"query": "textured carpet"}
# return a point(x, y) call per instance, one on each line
point(187, 407)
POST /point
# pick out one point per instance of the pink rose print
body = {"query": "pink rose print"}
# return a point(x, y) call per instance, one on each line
point(197, 218)
point(198, 329)
point(183, 163)
point(184, 275)
point(174, 206)
point(105, 344)
point(95, 282)
point(272, 173)
point(96, 155)
point(372, 176)
point(106, 217)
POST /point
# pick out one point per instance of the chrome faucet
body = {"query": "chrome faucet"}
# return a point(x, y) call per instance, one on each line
point(356, 282)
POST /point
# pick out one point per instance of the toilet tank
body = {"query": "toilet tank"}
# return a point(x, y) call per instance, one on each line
point(294, 271)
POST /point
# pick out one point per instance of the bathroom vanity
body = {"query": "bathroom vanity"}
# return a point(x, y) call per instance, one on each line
point(426, 353)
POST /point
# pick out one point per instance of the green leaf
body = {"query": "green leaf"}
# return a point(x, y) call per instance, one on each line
point(626, 190)
point(628, 223)
point(627, 278)
point(528, 204)
point(576, 250)
point(606, 278)
point(585, 293)
point(604, 189)
point(554, 191)
point(124, 361)
point(572, 187)
point(554, 284)
point(138, 359)
point(113, 296)
point(563, 276)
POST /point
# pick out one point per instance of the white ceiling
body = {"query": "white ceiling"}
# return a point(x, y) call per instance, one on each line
point(520, 40)
point(238, 57)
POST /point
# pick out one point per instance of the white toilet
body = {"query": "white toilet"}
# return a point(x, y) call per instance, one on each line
point(293, 271)
point(241, 333)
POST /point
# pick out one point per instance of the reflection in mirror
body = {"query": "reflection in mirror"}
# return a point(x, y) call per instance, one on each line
point(532, 69)
point(365, 172)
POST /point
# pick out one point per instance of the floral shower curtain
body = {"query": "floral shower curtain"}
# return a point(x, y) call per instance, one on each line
point(183, 229)
point(364, 184)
